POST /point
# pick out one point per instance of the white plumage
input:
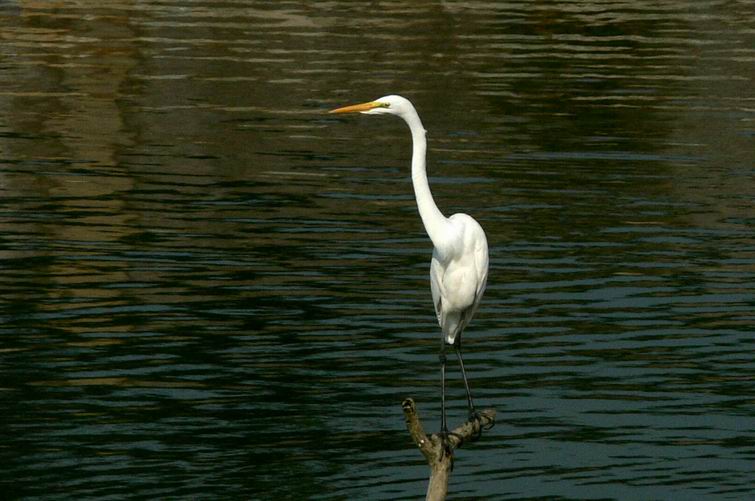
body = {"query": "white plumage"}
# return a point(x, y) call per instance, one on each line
point(458, 277)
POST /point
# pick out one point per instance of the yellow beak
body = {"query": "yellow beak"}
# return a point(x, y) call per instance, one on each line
point(357, 108)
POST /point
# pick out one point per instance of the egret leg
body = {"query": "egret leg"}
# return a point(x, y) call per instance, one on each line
point(470, 402)
point(473, 414)
point(444, 433)
point(442, 357)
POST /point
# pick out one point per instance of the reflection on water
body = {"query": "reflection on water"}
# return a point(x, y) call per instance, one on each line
point(210, 287)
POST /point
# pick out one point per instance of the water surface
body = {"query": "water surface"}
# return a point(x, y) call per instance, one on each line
point(212, 288)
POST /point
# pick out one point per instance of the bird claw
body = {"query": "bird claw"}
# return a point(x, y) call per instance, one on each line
point(444, 434)
point(446, 444)
point(478, 418)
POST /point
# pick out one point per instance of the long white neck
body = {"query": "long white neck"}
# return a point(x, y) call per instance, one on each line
point(435, 223)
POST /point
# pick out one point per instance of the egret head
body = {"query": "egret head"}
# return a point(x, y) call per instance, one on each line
point(393, 105)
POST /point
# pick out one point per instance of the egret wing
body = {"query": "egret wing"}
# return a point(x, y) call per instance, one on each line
point(436, 279)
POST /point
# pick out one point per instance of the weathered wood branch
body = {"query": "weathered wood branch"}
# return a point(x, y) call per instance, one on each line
point(440, 455)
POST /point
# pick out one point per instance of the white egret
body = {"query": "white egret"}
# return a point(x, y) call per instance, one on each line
point(459, 266)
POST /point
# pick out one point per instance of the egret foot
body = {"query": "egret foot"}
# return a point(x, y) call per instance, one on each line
point(448, 447)
point(477, 417)
point(445, 434)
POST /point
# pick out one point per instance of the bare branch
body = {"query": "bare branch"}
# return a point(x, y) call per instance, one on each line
point(439, 455)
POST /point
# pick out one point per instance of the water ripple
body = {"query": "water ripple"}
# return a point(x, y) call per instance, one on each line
point(211, 287)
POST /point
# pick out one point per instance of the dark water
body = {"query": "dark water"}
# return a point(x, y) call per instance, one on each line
point(212, 289)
